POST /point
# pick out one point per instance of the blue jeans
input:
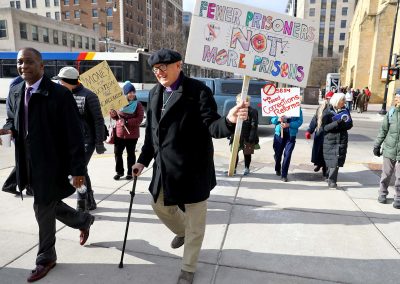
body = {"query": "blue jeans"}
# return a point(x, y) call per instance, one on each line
point(284, 146)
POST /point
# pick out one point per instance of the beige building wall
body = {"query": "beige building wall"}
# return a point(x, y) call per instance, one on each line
point(368, 48)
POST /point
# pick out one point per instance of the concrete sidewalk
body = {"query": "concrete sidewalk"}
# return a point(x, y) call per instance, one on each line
point(259, 229)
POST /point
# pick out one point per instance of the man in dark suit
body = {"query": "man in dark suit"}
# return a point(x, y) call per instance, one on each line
point(182, 118)
point(44, 121)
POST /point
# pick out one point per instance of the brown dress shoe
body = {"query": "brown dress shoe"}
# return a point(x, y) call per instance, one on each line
point(85, 232)
point(185, 277)
point(40, 271)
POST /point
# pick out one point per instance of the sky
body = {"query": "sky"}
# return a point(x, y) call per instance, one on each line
point(271, 5)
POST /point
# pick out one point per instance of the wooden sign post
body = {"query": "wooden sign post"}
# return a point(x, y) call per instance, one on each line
point(238, 129)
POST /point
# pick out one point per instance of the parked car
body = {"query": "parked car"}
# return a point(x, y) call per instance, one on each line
point(225, 92)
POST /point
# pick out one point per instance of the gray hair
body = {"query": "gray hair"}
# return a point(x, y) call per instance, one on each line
point(336, 98)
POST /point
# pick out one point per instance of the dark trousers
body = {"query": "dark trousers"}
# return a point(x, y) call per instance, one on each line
point(46, 215)
point(89, 149)
point(247, 160)
point(333, 174)
point(10, 185)
point(119, 147)
point(390, 167)
point(283, 146)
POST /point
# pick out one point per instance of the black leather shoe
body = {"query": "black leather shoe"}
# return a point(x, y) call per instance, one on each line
point(278, 173)
point(317, 168)
point(284, 179)
point(40, 271)
point(85, 232)
point(185, 277)
point(396, 203)
point(177, 242)
point(129, 177)
point(382, 199)
point(91, 204)
point(117, 177)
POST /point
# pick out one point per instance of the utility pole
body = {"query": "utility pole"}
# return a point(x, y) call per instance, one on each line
point(383, 110)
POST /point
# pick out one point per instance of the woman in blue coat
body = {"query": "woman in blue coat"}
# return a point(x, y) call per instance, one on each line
point(286, 129)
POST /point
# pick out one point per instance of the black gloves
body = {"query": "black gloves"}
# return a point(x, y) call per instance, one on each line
point(377, 151)
point(100, 149)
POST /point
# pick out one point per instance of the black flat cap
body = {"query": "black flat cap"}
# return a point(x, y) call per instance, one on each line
point(164, 55)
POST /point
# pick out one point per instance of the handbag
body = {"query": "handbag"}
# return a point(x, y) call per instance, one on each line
point(248, 148)
point(112, 133)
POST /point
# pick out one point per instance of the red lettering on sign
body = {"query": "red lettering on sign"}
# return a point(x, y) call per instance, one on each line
point(269, 90)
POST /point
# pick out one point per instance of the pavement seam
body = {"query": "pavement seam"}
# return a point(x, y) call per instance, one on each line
point(217, 264)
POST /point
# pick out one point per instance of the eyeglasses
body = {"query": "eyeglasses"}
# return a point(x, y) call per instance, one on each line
point(162, 67)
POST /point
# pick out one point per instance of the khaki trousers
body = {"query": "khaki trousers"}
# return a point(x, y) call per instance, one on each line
point(191, 224)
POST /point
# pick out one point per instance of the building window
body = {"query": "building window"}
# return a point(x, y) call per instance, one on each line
point(72, 40)
point(77, 14)
point(342, 36)
point(344, 11)
point(3, 28)
point(330, 50)
point(66, 2)
point(34, 4)
point(45, 35)
point(12, 4)
point(57, 16)
point(76, 2)
point(48, 14)
point(109, 1)
point(341, 48)
point(311, 12)
point(18, 4)
point(64, 39)
point(333, 12)
point(79, 41)
point(93, 44)
point(35, 34)
point(345, 1)
point(343, 23)
point(47, 3)
point(93, 2)
point(320, 50)
point(55, 37)
point(312, 1)
point(109, 26)
point(87, 43)
point(23, 31)
point(109, 11)
point(96, 27)
point(27, 4)
point(56, 3)
point(95, 13)
point(67, 15)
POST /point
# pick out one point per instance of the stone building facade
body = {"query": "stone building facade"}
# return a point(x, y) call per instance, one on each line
point(368, 47)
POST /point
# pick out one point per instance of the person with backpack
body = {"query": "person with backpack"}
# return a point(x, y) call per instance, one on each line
point(388, 136)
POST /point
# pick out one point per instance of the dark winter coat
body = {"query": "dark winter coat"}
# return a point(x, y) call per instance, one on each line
point(54, 140)
point(317, 155)
point(180, 141)
point(335, 139)
point(249, 132)
point(91, 117)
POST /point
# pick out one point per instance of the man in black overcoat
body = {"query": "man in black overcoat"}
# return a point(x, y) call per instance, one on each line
point(182, 118)
point(44, 121)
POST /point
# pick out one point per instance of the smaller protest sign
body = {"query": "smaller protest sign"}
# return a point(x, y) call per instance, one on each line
point(280, 101)
point(100, 80)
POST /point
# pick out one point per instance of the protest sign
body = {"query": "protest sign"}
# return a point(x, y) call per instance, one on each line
point(100, 80)
point(250, 41)
point(280, 101)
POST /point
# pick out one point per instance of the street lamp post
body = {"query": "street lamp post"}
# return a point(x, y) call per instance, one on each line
point(383, 110)
point(107, 40)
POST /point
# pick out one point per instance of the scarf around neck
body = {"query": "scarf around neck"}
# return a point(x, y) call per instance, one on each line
point(130, 108)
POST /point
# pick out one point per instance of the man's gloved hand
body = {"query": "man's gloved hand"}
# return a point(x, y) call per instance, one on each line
point(308, 135)
point(377, 151)
point(100, 149)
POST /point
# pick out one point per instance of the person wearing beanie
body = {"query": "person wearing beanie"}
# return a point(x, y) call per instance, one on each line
point(182, 119)
point(388, 136)
point(92, 124)
point(128, 120)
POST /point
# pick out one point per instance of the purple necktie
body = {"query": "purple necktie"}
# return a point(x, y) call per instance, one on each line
point(27, 98)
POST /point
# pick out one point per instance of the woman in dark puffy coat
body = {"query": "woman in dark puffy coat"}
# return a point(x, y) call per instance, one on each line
point(248, 137)
point(336, 137)
point(128, 121)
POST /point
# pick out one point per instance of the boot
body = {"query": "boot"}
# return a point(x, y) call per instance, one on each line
point(324, 172)
point(81, 205)
point(91, 204)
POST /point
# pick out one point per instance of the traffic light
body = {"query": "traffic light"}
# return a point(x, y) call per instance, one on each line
point(394, 72)
point(397, 61)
